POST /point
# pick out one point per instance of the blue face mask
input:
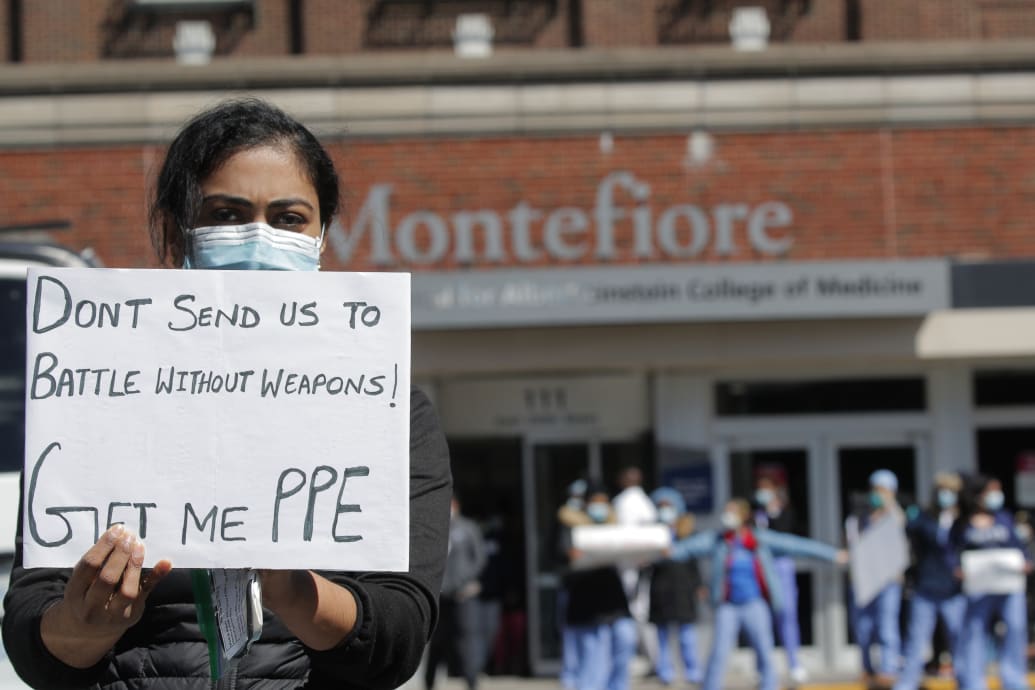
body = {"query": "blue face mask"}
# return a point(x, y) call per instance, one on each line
point(946, 498)
point(764, 497)
point(876, 499)
point(993, 501)
point(668, 515)
point(255, 246)
point(598, 512)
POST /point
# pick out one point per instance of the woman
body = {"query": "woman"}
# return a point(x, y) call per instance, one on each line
point(744, 585)
point(673, 592)
point(243, 186)
point(983, 524)
point(878, 620)
point(598, 610)
point(936, 592)
point(774, 512)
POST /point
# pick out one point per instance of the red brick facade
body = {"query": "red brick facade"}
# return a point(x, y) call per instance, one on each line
point(89, 30)
point(852, 194)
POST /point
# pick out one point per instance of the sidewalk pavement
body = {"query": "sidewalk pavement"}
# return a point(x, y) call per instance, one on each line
point(821, 683)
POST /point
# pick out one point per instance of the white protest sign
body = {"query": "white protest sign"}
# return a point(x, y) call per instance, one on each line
point(619, 544)
point(233, 419)
point(877, 556)
point(993, 571)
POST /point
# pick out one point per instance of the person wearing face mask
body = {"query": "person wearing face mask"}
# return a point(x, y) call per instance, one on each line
point(673, 593)
point(936, 593)
point(878, 621)
point(243, 186)
point(457, 635)
point(773, 511)
point(598, 610)
point(984, 524)
point(744, 585)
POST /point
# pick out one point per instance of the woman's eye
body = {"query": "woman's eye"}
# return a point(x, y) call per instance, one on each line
point(291, 220)
point(225, 215)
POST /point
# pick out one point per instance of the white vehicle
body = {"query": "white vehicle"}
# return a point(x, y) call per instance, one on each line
point(15, 258)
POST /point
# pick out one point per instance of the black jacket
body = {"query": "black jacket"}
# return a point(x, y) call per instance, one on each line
point(673, 592)
point(396, 611)
point(595, 595)
point(933, 578)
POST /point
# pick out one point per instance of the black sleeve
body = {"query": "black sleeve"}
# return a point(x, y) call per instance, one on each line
point(397, 612)
point(30, 593)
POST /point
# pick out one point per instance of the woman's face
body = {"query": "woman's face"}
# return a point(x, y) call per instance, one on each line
point(261, 185)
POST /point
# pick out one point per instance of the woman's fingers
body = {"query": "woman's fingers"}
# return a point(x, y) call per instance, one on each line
point(89, 566)
point(106, 586)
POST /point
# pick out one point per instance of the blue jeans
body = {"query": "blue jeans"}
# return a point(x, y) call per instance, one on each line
point(787, 620)
point(604, 652)
point(974, 640)
point(754, 619)
point(569, 657)
point(923, 614)
point(878, 622)
point(688, 650)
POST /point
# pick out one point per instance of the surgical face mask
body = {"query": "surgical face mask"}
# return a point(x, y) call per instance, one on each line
point(730, 520)
point(993, 501)
point(876, 499)
point(255, 246)
point(764, 497)
point(667, 514)
point(946, 498)
point(598, 512)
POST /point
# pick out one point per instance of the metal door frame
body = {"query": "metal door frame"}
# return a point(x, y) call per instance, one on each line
point(535, 581)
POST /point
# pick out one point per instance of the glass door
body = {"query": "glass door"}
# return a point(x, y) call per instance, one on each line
point(550, 466)
point(788, 470)
point(855, 460)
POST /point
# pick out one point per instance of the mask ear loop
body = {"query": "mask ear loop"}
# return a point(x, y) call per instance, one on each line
point(319, 245)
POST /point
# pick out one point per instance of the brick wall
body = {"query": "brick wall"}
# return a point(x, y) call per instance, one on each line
point(85, 30)
point(853, 194)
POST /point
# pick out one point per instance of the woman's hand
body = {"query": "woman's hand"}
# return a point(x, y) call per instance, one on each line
point(104, 597)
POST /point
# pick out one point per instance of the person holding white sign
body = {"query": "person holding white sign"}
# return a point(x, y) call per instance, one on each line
point(744, 585)
point(597, 608)
point(243, 186)
point(992, 562)
point(875, 619)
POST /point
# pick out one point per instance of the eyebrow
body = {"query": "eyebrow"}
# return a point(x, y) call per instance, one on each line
point(241, 201)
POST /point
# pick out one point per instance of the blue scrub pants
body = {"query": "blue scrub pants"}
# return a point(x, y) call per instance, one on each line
point(754, 619)
point(604, 652)
point(687, 635)
point(878, 622)
point(923, 615)
point(974, 640)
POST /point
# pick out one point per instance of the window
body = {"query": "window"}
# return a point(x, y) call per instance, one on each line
point(833, 396)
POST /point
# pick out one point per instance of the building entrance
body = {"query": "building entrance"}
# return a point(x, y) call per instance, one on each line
point(825, 468)
point(551, 464)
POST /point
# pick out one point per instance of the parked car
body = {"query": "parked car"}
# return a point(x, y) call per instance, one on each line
point(15, 258)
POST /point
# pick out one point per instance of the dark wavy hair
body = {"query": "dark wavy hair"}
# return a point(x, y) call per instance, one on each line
point(206, 142)
point(970, 495)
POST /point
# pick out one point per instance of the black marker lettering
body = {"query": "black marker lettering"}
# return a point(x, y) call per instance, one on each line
point(282, 494)
point(314, 488)
point(188, 509)
point(225, 525)
point(67, 311)
point(361, 471)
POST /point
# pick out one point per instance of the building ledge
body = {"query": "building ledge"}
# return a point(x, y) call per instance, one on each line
point(514, 67)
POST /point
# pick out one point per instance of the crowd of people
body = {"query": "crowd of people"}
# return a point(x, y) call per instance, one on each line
point(613, 610)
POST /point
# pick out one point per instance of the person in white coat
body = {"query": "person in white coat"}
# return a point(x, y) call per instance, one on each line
point(633, 506)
